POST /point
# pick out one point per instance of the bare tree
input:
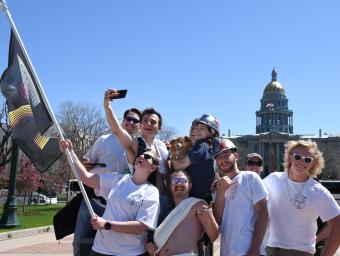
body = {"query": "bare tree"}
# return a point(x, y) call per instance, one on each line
point(82, 123)
point(167, 133)
point(5, 135)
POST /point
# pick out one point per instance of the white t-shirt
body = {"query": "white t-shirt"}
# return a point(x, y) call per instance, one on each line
point(126, 201)
point(239, 217)
point(293, 211)
point(107, 149)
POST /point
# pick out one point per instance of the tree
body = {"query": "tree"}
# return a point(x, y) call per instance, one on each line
point(28, 179)
point(82, 124)
point(52, 183)
point(167, 133)
point(5, 135)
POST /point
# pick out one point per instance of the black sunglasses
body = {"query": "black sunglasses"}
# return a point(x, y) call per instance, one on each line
point(306, 159)
point(147, 156)
point(132, 119)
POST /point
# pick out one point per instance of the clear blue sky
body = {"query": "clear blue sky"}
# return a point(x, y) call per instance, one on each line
point(187, 57)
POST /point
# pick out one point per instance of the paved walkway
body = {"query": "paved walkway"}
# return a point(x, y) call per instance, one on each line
point(45, 244)
point(37, 244)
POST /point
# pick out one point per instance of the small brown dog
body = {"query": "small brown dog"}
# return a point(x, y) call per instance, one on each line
point(180, 147)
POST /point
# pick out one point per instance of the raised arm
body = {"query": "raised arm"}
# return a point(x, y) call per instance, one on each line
point(123, 136)
point(90, 179)
point(223, 184)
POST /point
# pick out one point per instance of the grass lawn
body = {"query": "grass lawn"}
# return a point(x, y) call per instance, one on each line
point(34, 216)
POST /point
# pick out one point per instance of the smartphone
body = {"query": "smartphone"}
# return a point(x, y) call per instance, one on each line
point(122, 94)
point(97, 164)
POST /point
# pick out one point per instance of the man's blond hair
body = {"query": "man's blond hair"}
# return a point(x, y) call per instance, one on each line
point(318, 162)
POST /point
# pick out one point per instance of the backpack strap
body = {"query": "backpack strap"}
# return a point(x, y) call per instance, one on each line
point(141, 146)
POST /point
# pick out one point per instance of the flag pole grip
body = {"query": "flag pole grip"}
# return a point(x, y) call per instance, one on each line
point(4, 8)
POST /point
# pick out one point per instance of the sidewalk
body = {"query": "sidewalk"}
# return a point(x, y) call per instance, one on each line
point(38, 242)
point(44, 243)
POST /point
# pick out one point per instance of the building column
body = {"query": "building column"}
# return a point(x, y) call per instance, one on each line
point(277, 156)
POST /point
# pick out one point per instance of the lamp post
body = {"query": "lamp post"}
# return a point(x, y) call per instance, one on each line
point(9, 217)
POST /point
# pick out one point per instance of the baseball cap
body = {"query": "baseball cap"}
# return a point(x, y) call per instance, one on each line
point(254, 158)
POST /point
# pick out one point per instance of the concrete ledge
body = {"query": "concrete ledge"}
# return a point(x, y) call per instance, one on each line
point(25, 232)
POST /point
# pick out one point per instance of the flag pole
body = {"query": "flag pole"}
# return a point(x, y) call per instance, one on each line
point(4, 8)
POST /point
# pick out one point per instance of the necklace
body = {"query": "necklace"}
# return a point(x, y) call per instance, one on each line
point(299, 200)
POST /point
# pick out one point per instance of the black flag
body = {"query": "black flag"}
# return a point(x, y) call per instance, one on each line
point(28, 116)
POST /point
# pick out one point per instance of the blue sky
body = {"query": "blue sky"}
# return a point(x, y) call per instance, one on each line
point(186, 57)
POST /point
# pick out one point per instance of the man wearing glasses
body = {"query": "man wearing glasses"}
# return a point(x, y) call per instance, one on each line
point(240, 207)
point(254, 163)
point(105, 156)
point(179, 233)
point(296, 200)
point(151, 123)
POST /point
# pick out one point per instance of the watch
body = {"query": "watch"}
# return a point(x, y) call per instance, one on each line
point(107, 225)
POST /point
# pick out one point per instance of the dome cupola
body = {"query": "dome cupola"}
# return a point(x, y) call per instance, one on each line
point(274, 86)
point(274, 115)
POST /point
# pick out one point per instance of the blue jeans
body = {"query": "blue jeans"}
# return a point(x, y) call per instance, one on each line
point(83, 225)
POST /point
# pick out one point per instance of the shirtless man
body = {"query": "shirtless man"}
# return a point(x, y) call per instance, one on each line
point(179, 232)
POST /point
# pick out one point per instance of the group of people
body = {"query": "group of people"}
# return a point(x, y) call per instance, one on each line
point(150, 203)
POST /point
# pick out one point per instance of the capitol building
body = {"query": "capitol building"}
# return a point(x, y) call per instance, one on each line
point(274, 127)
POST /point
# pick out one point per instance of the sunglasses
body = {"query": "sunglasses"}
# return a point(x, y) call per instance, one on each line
point(306, 159)
point(175, 181)
point(251, 163)
point(131, 119)
point(147, 157)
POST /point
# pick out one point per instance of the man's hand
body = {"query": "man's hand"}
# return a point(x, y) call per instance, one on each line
point(224, 183)
point(151, 248)
point(205, 212)
point(110, 94)
point(65, 144)
point(98, 222)
point(253, 252)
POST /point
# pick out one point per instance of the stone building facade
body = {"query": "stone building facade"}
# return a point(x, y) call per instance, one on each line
point(274, 127)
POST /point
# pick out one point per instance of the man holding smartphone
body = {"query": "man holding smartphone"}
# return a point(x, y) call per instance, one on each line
point(151, 123)
point(105, 156)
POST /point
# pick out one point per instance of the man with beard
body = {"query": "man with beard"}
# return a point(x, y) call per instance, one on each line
point(240, 207)
point(179, 232)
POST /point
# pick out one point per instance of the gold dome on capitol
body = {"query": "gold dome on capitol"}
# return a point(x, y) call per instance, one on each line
point(274, 85)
